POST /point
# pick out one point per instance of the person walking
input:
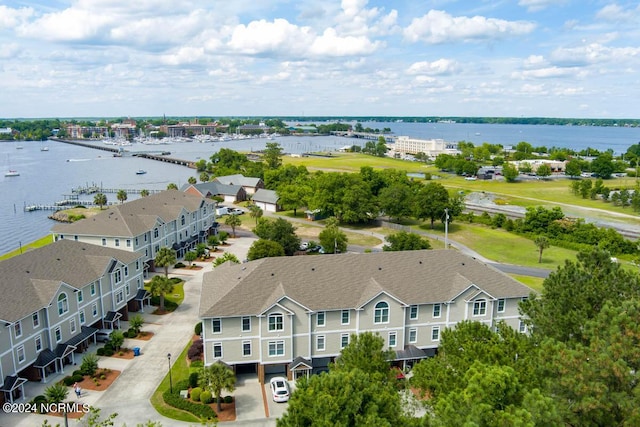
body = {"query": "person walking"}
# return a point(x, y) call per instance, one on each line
point(77, 389)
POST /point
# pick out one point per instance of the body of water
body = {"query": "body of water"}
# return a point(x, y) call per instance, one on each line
point(49, 176)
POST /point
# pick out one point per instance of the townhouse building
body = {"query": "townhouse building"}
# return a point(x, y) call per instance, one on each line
point(53, 301)
point(249, 184)
point(293, 315)
point(171, 218)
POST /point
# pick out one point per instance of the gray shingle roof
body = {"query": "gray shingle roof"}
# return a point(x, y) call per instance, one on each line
point(29, 281)
point(135, 217)
point(213, 188)
point(238, 179)
point(332, 282)
point(265, 196)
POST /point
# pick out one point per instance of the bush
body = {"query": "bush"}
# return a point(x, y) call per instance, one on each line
point(108, 352)
point(100, 351)
point(174, 399)
point(77, 378)
point(228, 399)
point(89, 364)
point(168, 304)
point(131, 333)
point(193, 379)
point(197, 364)
point(198, 329)
point(108, 346)
point(68, 381)
point(179, 265)
point(77, 372)
point(195, 394)
point(176, 280)
point(196, 350)
point(205, 397)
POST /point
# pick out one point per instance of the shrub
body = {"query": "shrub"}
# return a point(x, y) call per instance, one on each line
point(77, 378)
point(196, 350)
point(198, 329)
point(131, 333)
point(197, 364)
point(103, 377)
point(228, 399)
point(68, 381)
point(193, 379)
point(108, 346)
point(89, 364)
point(205, 397)
point(174, 399)
point(195, 394)
point(77, 372)
point(168, 304)
point(176, 280)
point(108, 352)
point(56, 393)
point(100, 351)
point(179, 265)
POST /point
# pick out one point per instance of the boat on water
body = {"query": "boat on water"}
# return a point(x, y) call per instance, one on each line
point(44, 149)
point(12, 173)
point(19, 147)
point(140, 172)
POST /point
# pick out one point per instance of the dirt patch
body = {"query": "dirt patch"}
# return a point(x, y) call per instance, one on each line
point(193, 267)
point(123, 353)
point(418, 394)
point(99, 384)
point(143, 336)
point(228, 412)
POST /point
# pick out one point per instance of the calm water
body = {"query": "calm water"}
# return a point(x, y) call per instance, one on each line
point(48, 176)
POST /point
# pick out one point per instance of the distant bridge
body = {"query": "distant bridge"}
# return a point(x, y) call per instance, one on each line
point(365, 135)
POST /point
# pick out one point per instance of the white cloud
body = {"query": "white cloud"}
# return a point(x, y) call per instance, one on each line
point(331, 44)
point(591, 54)
point(11, 18)
point(537, 5)
point(68, 25)
point(269, 37)
point(436, 68)
point(615, 13)
point(440, 27)
point(545, 73)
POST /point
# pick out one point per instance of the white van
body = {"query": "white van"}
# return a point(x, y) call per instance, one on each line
point(222, 210)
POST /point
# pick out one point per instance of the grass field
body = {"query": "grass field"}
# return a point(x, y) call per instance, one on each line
point(46, 240)
point(352, 162)
point(534, 283)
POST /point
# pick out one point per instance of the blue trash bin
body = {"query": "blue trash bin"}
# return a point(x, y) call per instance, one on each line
point(136, 351)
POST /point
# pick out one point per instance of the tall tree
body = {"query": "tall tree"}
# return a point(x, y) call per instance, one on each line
point(255, 212)
point(160, 286)
point(431, 201)
point(333, 239)
point(233, 221)
point(366, 352)
point(165, 257)
point(100, 199)
point(172, 186)
point(122, 196)
point(575, 293)
point(544, 170)
point(272, 155)
point(263, 248)
point(603, 165)
point(281, 231)
point(510, 172)
point(215, 378)
point(403, 241)
point(192, 180)
point(293, 196)
point(541, 243)
point(396, 201)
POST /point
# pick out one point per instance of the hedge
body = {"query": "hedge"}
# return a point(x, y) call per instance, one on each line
point(197, 409)
point(195, 394)
point(206, 397)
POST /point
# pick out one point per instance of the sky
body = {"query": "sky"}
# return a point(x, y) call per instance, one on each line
point(141, 58)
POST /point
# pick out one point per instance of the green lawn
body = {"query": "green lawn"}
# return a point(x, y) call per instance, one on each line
point(43, 241)
point(352, 162)
point(534, 283)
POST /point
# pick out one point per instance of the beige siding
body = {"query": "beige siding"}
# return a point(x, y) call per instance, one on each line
point(367, 319)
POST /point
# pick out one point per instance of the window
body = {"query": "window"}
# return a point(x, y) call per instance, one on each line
point(344, 340)
point(21, 354)
point(82, 320)
point(94, 309)
point(320, 343)
point(117, 242)
point(126, 271)
point(104, 242)
point(137, 264)
point(276, 322)
point(320, 318)
point(381, 313)
point(216, 325)
point(117, 276)
point(217, 350)
point(36, 319)
point(72, 325)
point(38, 342)
point(413, 335)
point(413, 312)
point(480, 307)
point(182, 220)
point(75, 238)
point(139, 286)
point(80, 296)
point(345, 317)
point(246, 324)
point(119, 297)
point(522, 327)
point(276, 348)
point(58, 334)
point(93, 289)
point(246, 348)
point(127, 289)
point(63, 304)
point(436, 310)
point(435, 333)
point(392, 339)
point(17, 328)
point(128, 243)
point(156, 233)
point(501, 304)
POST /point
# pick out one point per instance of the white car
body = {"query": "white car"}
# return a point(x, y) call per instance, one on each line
point(279, 389)
point(304, 246)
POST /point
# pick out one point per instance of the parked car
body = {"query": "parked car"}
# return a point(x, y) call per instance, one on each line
point(103, 335)
point(222, 210)
point(279, 389)
point(235, 211)
point(304, 246)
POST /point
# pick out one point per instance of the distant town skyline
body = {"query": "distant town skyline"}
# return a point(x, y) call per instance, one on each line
point(111, 58)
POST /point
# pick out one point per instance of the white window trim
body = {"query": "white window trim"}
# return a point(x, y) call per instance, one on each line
point(213, 322)
point(217, 344)
point(375, 310)
point(395, 339)
point(20, 352)
point(242, 323)
point(35, 343)
point(479, 303)
point(57, 331)
point(504, 305)
point(415, 335)
point(411, 316)
point(323, 315)
point(434, 329)
point(433, 313)
point(275, 343)
point(250, 348)
point(342, 337)
point(275, 323)
point(323, 339)
point(342, 317)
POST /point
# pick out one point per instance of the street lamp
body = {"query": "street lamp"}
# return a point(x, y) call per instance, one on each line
point(170, 380)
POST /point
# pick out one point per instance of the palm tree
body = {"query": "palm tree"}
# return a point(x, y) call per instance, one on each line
point(255, 212)
point(56, 393)
point(215, 378)
point(122, 196)
point(192, 180)
point(204, 177)
point(100, 199)
point(233, 221)
point(159, 287)
point(144, 193)
point(164, 258)
point(542, 243)
point(172, 186)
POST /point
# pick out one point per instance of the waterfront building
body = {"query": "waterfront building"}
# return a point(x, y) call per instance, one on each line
point(431, 147)
point(293, 315)
point(171, 218)
point(53, 301)
point(249, 183)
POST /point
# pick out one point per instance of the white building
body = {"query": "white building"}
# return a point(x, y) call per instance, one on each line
point(431, 147)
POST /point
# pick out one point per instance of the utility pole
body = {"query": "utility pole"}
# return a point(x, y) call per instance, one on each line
point(446, 228)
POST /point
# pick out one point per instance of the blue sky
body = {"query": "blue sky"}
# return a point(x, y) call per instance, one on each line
point(552, 58)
